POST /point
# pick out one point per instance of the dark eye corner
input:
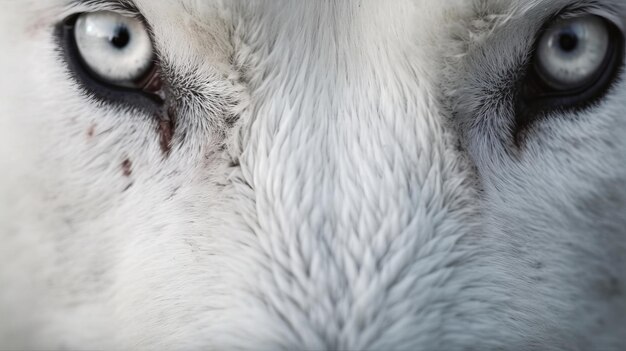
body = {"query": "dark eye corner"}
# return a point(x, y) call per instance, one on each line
point(147, 95)
point(536, 98)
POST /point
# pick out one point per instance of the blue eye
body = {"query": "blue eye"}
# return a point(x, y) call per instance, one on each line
point(576, 61)
point(572, 53)
point(115, 48)
point(113, 60)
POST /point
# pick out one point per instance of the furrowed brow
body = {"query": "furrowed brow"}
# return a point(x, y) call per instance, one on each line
point(122, 6)
point(607, 7)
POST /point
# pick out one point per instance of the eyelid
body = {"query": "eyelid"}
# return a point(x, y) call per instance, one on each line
point(535, 100)
point(148, 98)
point(605, 12)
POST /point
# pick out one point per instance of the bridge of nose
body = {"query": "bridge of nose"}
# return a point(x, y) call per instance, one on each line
point(354, 178)
point(344, 116)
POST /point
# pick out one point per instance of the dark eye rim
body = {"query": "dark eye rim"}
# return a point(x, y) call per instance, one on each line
point(536, 98)
point(144, 97)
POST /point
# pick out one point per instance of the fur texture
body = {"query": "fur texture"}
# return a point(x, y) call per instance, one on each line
point(342, 176)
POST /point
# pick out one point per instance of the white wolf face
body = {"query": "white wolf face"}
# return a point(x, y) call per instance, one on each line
point(415, 174)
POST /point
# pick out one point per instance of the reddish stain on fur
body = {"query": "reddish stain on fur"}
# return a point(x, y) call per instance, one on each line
point(91, 131)
point(166, 133)
point(127, 168)
point(167, 125)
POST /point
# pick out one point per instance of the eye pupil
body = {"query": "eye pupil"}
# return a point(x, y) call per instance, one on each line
point(121, 38)
point(568, 41)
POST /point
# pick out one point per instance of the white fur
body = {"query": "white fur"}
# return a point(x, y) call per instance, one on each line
point(338, 213)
